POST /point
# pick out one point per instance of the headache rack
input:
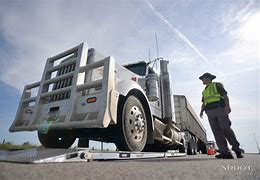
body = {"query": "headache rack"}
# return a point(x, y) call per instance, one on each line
point(76, 91)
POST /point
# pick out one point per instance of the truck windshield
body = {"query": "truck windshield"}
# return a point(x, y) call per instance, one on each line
point(139, 68)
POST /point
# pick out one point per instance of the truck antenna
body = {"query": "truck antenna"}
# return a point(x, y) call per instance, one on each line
point(257, 144)
point(149, 54)
point(157, 45)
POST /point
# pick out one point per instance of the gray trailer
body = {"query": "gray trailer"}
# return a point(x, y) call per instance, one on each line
point(195, 139)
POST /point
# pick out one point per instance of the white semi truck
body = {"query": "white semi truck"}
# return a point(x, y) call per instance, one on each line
point(85, 95)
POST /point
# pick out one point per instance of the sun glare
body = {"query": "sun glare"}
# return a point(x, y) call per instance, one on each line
point(250, 30)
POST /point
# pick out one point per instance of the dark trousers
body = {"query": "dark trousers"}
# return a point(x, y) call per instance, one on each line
point(221, 127)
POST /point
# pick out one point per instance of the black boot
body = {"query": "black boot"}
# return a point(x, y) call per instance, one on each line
point(239, 154)
point(224, 156)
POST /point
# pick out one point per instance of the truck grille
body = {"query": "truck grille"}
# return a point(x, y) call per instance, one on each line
point(63, 83)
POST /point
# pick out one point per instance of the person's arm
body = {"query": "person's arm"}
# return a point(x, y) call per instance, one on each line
point(202, 110)
point(223, 93)
point(227, 106)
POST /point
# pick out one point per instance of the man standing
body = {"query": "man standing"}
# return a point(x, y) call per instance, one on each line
point(215, 103)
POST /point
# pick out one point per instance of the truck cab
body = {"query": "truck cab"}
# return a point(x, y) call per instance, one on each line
point(154, 79)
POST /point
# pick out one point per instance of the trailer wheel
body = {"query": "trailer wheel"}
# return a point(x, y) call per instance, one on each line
point(56, 139)
point(132, 126)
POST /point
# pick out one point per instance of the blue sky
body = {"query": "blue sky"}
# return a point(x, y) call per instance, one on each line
point(197, 36)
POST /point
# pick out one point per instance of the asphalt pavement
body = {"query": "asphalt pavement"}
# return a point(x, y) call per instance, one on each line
point(193, 167)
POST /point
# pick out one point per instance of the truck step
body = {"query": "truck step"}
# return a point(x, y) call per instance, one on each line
point(36, 156)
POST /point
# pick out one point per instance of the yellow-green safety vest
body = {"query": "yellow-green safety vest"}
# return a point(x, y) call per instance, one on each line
point(211, 94)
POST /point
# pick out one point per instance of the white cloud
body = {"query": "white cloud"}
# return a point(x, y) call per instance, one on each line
point(248, 33)
point(176, 31)
point(38, 31)
point(243, 56)
point(250, 28)
point(243, 26)
point(235, 15)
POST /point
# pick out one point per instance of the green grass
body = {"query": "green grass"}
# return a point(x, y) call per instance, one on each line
point(11, 147)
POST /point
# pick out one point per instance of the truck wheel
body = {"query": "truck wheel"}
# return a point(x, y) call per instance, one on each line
point(194, 146)
point(194, 151)
point(182, 148)
point(204, 149)
point(56, 139)
point(132, 126)
point(189, 149)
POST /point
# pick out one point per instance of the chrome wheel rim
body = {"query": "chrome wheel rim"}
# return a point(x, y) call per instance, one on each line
point(135, 124)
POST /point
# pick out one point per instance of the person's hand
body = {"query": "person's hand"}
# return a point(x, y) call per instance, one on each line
point(227, 109)
point(201, 114)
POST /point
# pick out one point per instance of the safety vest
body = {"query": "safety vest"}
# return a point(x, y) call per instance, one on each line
point(211, 94)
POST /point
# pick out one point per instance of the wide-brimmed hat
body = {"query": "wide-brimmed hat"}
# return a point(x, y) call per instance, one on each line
point(208, 75)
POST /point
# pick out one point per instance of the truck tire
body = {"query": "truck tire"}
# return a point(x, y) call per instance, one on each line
point(132, 126)
point(182, 148)
point(204, 149)
point(56, 139)
point(194, 151)
point(194, 146)
point(189, 149)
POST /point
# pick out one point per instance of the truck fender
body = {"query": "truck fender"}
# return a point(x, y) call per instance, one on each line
point(127, 88)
